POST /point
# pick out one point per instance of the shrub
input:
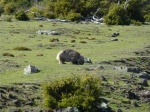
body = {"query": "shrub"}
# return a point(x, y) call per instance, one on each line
point(117, 16)
point(82, 41)
point(73, 41)
point(73, 16)
point(147, 17)
point(20, 15)
point(22, 48)
point(40, 25)
point(138, 23)
point(10, 8)
point(82, 92)
point(49, 15)
point(8, 19)
point(8, 54)
point(1, 9)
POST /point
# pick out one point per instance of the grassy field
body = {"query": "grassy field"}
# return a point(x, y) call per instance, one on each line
point(91, 40)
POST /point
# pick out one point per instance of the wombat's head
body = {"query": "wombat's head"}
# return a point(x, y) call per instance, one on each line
point(81, 60)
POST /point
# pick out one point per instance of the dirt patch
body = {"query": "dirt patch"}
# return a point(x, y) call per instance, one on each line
point(19, 95)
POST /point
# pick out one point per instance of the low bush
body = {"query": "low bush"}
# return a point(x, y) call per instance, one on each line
point(147, 17)
point(22, 48)
point(81, 92)
point(73, 16)
point(20, 15)
point(82, 41)
point(137, 23)
point(8, 54)
point(73, 41)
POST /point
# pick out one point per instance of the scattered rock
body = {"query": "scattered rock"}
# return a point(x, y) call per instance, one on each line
point(144, 75)
point(134, 104)
point(10, 96)
point(95, 68)
point(119, 110)
point(143, 82)
point(127, 69)
point(68, 109)
point(104, 108)
point(115, 39)
point(103, 78)
point(30, 69)
point(115, 34)
point(134, 70)
point(131, 95)
point(47, 32)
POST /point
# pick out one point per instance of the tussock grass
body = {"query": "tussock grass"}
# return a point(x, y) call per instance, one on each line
point(22, 48)
point(8, 54)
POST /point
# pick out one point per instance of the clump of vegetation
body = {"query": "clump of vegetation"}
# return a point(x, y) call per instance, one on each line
point(21, 15)
point(54, 40)
point(138, 23)
point(73, 41)
point(8, 54)
point(117, 16)
point(73, 16)
point(22, 48)
point(8, 19)
point(10, 8)
point(82, 41)
point(147, 17)
point(92, 38)
point(40, 25)
point(82, 92)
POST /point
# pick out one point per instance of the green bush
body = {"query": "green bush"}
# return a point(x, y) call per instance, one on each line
point(8, 19)
point(20, 15)
point(49, 15)
point(10, 8)
point(117, 16)
point(81, 92)
point(147, 17)
point(73, 16)
point(137, 23)
point(1, 9)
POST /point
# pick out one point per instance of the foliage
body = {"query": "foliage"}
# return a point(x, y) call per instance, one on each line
point(1, 9)
point(73, 16)
point(138, 23)
point(21, 15)
point(49, 15)
point(117, 16)
point(72, 9)
point(10, 8)
point(35, 11)
point(147, 17)
point(8, 19)
point(82, 92)
point(134, 10)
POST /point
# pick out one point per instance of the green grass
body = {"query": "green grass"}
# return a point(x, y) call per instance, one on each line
point(98, 48)
point(101, 49)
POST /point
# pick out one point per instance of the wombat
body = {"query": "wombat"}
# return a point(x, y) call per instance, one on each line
point(69, 55)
